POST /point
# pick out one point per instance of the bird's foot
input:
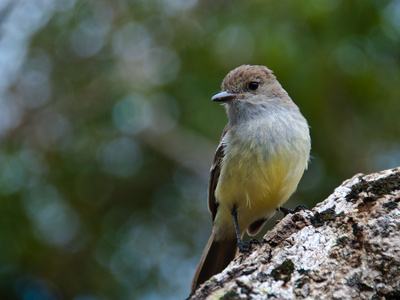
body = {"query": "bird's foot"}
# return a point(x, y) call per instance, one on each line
point(245, 246)
point(287, 211)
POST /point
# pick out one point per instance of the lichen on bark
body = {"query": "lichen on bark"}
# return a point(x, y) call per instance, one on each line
point(347, 247)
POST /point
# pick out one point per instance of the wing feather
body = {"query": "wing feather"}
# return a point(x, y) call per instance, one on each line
point(214, 175)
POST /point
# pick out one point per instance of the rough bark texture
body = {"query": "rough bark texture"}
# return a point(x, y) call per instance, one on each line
point(347, 247)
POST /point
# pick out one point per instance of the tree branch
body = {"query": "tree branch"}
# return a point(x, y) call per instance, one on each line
point(347, 247)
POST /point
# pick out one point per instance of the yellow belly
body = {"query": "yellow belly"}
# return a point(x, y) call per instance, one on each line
point(255, 187)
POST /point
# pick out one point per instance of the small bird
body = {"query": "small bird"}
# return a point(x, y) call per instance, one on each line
point(261, 157)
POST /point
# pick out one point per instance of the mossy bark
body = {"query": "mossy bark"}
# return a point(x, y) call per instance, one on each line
point(347, 247)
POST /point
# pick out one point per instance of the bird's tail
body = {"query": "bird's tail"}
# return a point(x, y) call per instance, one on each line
point(216, 256)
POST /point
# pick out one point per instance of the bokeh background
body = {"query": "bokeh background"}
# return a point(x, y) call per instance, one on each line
point(107, 131)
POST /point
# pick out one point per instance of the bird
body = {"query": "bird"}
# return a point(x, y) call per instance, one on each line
point(262, 155)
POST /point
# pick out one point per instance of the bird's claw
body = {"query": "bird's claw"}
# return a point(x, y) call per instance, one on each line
point(245, 247)
point(287, 211)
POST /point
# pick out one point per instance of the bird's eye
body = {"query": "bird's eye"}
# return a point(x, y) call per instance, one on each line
point(253, 86)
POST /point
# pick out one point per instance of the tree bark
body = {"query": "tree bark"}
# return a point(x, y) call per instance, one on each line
point(347, 247)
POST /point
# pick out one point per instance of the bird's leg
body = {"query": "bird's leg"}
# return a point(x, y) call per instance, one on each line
point(287, 211)
point(243, 247)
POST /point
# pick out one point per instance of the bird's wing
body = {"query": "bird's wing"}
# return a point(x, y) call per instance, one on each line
point(214, 175)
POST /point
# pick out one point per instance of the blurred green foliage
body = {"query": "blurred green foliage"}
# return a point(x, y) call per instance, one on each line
point(107, 129)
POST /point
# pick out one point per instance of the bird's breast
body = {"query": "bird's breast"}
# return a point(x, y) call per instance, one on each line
point(263, 164)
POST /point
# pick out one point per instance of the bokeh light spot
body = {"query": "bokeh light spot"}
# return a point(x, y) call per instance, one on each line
point(121, 157)
point(132, 114)
point(56, 223)
point(12, 175)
